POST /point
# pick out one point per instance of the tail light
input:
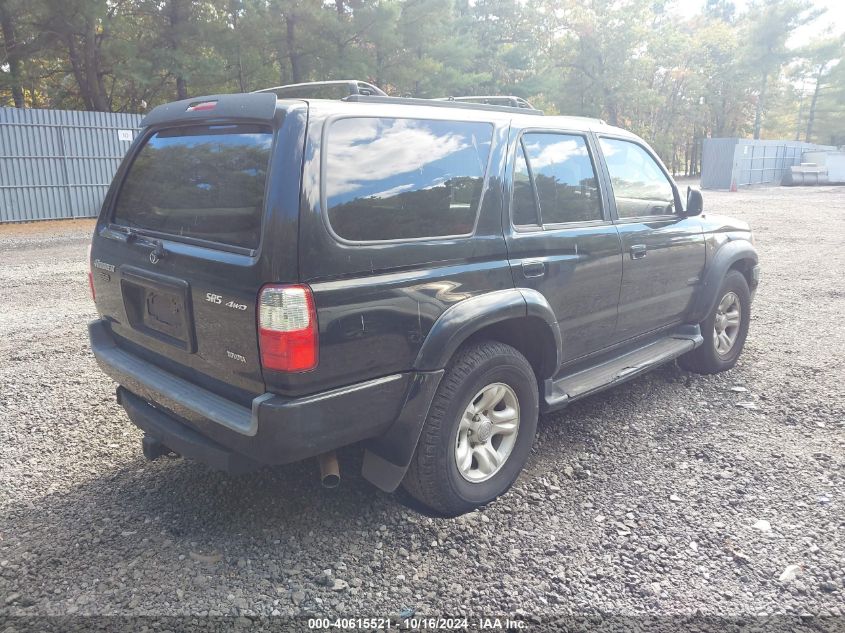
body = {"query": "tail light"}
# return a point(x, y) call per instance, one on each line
point(91, 276)
point(287, 328)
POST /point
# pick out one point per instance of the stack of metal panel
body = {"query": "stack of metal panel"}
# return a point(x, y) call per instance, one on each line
point(833, 162)
point(806, 174)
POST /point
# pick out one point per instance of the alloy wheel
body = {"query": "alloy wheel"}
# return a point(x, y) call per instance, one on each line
point(487, 432)
point(726, 325)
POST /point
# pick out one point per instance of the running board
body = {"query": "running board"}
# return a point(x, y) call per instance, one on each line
point(621, 368)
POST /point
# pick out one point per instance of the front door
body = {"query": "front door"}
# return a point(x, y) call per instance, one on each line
point(561, 240)
point(662, 251)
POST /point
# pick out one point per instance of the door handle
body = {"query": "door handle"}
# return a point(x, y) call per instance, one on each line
point(533, 269)
point(638, 251)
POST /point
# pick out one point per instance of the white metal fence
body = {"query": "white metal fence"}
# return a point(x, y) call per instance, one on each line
point(59, 163)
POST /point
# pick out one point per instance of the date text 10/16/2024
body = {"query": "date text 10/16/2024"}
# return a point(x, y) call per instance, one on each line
point(416, 624)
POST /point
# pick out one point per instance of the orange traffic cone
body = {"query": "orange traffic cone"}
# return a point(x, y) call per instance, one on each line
point(733, 184)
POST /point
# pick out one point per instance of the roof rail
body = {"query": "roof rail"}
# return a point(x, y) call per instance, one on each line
point(336, 89)
point(501, 100)
point(441, 103)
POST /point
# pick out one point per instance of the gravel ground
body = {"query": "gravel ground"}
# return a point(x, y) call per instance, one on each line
point(674, 494)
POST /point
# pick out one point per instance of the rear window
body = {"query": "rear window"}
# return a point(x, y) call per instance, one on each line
point(204, 182)
point(389, 179)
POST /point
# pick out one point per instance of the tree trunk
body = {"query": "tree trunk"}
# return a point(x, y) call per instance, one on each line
point(181, 88)
point(93, 76)
point(379, 66)
point(612, 112)
point(234, 10)
point(178, 18)
point(12, 55)
point(761, 100)
point(85, 64)
point(293, 55)
point(77, 64)
point(811, 117)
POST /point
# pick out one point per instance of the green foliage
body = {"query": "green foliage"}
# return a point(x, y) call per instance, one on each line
point(634, 63)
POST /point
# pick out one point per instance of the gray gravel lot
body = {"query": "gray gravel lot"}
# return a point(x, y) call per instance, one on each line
point(672, 494)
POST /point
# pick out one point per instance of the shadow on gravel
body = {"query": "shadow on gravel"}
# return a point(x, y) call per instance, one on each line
point(176, 510)
point(173, 499)
point(200, 501)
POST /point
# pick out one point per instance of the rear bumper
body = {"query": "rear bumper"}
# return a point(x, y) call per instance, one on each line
point(275, 430)
point(178, 437)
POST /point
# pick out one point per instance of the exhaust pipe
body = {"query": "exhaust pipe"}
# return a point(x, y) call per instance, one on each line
point(329, 469)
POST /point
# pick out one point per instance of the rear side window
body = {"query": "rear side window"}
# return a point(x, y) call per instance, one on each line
point(393, 179)
point(564, 177)
point(204, 182)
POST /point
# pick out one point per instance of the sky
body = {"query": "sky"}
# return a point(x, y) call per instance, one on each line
point(833, 18)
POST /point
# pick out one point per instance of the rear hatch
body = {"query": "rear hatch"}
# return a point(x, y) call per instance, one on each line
point(183, 243)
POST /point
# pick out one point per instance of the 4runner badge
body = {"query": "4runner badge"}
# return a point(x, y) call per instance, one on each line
point(103, 266)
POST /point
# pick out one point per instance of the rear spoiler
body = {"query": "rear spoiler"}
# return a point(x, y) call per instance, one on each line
point(255, 106)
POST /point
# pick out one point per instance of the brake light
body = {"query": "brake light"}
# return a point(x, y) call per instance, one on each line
point(201, 106)
point(287, 328)
point(91, 276)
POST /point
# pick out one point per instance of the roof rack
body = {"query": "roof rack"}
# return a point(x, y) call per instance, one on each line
point(441, 103)
point(361, 91)
point(501, 100)
point(336, 89)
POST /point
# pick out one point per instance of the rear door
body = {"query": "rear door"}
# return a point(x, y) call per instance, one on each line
point(187, 238)
point(560, 237)
point(663, 251)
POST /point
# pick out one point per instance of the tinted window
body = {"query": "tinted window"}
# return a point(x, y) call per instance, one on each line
point(639, 185)
point(564, 177)
point(391, 179)
point(205, 182)
point(524, 204)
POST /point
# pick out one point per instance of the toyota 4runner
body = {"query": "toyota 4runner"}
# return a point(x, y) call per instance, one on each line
point(277, 278)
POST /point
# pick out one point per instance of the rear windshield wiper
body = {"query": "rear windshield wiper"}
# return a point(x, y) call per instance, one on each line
point(123, 233)
point(130, 235)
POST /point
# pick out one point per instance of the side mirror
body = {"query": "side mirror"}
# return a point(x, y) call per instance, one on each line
point(695, 202)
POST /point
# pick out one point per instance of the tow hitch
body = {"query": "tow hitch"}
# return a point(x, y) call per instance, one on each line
point(153, 449)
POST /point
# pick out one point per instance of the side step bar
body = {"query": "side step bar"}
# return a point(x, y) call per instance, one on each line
point(613, 371)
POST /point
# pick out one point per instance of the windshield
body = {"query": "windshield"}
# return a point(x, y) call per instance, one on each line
point(204, 182)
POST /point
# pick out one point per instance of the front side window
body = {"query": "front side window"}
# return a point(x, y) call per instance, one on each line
point(639, 185)
point(204, 182)
point(564, 177)
point(389, 179)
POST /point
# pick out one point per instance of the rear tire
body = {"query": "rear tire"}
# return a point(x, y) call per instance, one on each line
point(479, 430)
point(724, 330)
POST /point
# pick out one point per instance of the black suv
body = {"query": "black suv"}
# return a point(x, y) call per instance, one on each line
point(277, 278)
